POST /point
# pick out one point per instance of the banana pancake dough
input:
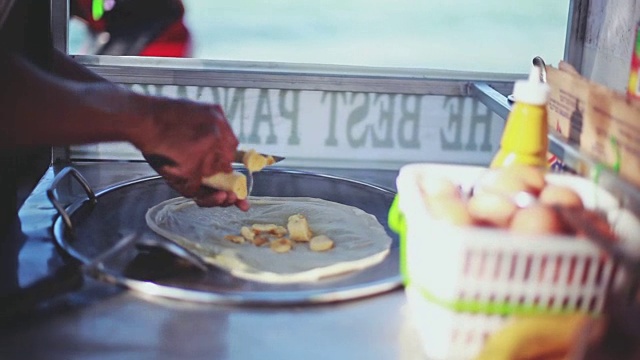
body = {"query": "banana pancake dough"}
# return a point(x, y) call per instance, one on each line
point(360, 240)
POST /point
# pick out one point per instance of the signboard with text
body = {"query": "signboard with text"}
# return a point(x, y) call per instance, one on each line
point(353, 129)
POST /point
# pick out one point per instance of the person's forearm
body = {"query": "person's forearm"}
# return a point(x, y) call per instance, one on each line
point(41, 109)
point(66, 67)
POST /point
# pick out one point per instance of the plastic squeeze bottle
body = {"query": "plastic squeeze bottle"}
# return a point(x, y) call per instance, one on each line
point(524, 139)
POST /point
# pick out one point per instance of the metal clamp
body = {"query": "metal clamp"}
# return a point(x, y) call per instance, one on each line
point(51, 193)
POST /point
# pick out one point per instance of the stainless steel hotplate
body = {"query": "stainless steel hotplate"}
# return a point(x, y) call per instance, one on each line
point(96, 225)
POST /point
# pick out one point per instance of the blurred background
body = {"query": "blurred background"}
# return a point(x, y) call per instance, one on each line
point(467, 35)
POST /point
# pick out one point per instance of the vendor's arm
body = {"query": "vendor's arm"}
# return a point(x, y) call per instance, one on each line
point(43, 109)
point(40, 108)
point(64, 66)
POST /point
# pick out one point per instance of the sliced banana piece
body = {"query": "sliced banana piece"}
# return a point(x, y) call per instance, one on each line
point(299, 228)
point(272, 229)
point(264, 227)
point(247, 233)
point(235, 238)
point(281, 245)
point(233, 181)
point(254, 161)
point(320, 243)
point(260, 240)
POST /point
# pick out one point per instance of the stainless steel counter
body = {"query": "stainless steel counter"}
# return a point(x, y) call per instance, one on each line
point(100, 321)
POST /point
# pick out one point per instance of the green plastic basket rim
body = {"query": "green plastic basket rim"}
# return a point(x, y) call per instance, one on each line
point(501, 308)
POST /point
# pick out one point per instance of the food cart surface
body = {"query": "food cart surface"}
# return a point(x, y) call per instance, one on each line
point(100, 320)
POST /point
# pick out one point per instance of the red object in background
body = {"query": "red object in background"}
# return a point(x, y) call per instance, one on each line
point(139, 27)
point(173, 42)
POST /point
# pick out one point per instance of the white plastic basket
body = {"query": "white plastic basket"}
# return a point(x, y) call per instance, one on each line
point(463, 282)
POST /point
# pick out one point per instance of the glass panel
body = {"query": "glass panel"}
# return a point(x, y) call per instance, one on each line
point(339, 128)
point(469, 35)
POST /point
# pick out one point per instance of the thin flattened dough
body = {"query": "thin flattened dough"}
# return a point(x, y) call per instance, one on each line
point(359, 239)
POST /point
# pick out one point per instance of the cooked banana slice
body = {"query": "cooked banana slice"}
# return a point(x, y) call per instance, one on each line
point(254, 161)
point(270, 160)
point(281, 245)
point(260, 240)
point(320, 243)
point(299, 228)
point(279, 231)
point(264, 227)
point(234, 181)
point(247, 233)
point(235, 238)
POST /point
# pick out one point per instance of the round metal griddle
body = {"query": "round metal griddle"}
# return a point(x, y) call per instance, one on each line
point(89, 228)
